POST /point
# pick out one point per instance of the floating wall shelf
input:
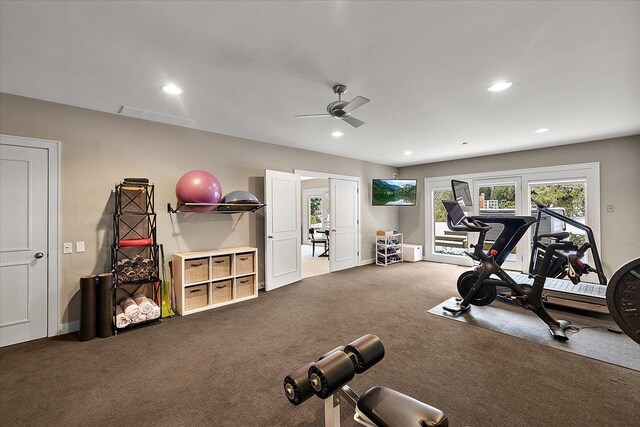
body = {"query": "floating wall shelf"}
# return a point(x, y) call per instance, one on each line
point(227, 208)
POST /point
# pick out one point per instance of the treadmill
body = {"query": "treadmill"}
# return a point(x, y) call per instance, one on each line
point(559, 289)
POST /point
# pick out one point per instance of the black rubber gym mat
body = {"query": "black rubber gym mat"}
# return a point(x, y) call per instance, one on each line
point(593, 340)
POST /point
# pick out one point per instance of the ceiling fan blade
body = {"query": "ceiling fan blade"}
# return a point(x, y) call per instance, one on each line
point(356, 102)
point(353, 121)
point(304, 116)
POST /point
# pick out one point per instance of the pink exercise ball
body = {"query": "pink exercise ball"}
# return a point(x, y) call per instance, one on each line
point(198, 186)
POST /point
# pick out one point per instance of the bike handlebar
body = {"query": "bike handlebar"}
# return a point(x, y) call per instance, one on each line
point(475, 224)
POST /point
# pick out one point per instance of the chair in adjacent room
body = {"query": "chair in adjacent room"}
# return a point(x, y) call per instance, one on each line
point(315, 238)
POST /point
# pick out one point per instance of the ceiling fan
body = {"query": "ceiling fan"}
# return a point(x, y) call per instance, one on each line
point(341, 109)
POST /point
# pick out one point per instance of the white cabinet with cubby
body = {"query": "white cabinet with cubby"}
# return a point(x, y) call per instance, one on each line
point(210, 279)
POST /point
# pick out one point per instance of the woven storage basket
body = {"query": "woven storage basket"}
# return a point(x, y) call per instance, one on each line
point(196, 270)
point(196, 297)
point(222, 291)
point(221, 266)
point(244, 263)
point(245, 286)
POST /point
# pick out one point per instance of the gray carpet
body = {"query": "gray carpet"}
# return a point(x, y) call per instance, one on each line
point(591, 339)
point(225, 367)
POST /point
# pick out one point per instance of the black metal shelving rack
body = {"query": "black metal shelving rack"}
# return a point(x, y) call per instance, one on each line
point(135, 266)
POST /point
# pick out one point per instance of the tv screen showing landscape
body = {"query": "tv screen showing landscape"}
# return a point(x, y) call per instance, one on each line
point(393, 192)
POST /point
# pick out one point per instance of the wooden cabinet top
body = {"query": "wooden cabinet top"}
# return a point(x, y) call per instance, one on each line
point(215, 252)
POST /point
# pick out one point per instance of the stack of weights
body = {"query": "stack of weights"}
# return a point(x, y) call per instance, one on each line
point(136, 269)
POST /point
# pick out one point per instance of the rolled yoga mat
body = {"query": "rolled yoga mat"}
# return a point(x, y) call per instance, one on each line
point(105, 305)
point(87, 308)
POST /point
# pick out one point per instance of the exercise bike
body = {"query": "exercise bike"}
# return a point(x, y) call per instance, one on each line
point(477, 287)
point(377, 407)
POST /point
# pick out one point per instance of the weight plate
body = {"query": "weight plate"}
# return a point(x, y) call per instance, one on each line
point(623, 298)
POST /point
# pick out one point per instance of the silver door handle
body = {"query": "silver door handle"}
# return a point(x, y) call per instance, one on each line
point(39, 255)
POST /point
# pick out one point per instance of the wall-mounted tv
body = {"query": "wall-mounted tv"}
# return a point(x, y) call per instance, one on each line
point(393, 192)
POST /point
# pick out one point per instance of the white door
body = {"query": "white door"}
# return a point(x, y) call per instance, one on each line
point(23, 243)
point(501, 197)
point(343, 239)
point(283, 213)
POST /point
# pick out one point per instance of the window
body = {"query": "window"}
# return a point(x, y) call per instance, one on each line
point(567, 198)
point(315, 212)
point(572, 190)
point(446, 242)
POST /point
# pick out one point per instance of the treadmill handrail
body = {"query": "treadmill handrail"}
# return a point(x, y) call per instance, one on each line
point(584, 227)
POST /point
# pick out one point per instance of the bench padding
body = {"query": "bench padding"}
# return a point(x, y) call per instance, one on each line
point(389, 408)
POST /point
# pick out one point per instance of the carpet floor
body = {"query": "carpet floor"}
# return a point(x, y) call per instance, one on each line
point(225, 367)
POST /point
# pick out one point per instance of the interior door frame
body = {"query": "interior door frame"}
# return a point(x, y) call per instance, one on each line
point(54, 327)
point(358, 179)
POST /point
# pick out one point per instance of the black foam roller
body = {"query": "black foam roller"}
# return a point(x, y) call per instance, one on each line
point(340, 348)
point(368, 350)
point(331, 373)
point(87, 308)
point(105, 305)
point(297, 387)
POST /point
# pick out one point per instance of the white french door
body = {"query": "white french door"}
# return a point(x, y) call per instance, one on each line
point(500, 197)
point(343, 239)
point(283, 260)
point(573, 190)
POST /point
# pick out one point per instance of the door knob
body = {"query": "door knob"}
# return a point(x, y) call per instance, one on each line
point(39, 255)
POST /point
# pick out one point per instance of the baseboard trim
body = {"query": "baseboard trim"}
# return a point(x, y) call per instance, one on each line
point(367, 261)
point(67, 328)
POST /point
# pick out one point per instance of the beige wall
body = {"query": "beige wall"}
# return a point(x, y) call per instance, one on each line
point(99, 149)
point(619, 186)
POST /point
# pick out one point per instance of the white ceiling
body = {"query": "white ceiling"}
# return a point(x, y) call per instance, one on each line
point(247, 67)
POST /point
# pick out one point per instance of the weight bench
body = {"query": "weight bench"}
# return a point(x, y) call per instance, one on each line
point(377, 407)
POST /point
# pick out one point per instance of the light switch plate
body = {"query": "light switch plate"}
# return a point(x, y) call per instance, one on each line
point(79, 247)
point(67, 248)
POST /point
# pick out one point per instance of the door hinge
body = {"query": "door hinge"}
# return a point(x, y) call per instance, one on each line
point(358, 253)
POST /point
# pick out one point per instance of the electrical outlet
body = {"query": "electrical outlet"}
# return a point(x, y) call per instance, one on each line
point(609, 208)
point(67, 248)
point(79, 247)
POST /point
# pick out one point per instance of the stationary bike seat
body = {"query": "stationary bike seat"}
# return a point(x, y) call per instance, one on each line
point(388, 408)
point(558, 236)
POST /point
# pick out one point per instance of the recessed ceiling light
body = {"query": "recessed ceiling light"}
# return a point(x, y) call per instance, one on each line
point(542, 130)
point(500, 86)
point(408, 153)
point(337, 134)
point(172, 89)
